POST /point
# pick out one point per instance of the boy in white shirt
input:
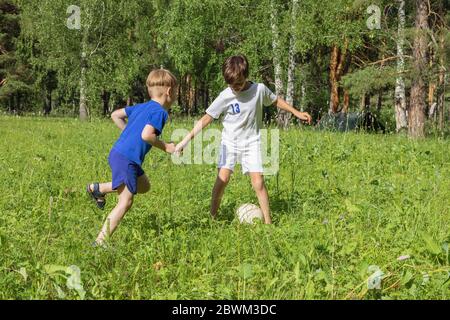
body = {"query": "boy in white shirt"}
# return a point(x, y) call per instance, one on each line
point(242, 102)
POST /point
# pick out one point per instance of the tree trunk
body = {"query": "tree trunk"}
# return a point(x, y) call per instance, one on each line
point(83, 98)
point(379, 101)
point(57, 103)
point(191, 94)
point(11, 104)
point(75, 104)
point(303, 98)
point(180, 93)
point(281, 119)
point(442, 73)
point(185, 94)
point(275, 46)
point(334, 93)
point(203, 96)
point(441, 100)
point(83, 110)
point(339, 63)
point(129, 100)
point(431, 86)
point(441, 90)
point(19, 103)
point(195, 97)
point(206, 97)
point(48, 102)
point(283, 116)
point(365, 102)
point(346, 101)
point(105, 98)
point(400, 94)
point(416, 114)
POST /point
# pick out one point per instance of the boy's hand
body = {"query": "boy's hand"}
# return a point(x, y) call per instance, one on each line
point(170, 147)
point(304, 116)
point(283, 105)
point(179, 149)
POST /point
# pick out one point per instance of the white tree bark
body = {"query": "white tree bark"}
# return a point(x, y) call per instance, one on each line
point(276, 51)
point(400, 95)
point(83, 96)
point(292, 63)
point(442, 81)
point(283, 117)
point(303, 98)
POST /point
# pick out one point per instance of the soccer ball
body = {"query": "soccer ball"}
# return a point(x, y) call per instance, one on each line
point(247, 212)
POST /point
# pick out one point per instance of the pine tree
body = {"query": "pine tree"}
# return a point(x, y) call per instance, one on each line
point(15, 78)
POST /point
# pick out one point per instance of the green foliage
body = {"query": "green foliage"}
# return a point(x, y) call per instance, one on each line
point(123, 41)
point(198, 35)
point(370, 80)
point(16, 80)
point(329, 23)
point(343, 205)
point(116, 38)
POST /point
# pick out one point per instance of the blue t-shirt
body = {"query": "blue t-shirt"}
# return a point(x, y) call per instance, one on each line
point(130, 143)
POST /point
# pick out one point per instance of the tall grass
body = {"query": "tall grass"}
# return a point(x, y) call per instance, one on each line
point(340, 204)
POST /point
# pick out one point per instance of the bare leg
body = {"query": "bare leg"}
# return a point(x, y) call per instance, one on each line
point(116, 215)
point(261, 192)
point(103, 187)
point(219, 187)
point(124, 204)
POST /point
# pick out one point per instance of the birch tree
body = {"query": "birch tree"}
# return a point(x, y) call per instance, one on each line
point(443, 66)
point(105, 52)
point(400, 95)
point(278, 72)
point(285, 117)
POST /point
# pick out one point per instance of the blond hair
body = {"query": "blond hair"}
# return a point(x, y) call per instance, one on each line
point(159, 79)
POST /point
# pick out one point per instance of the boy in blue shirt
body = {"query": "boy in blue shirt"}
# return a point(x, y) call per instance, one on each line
point(145, 124)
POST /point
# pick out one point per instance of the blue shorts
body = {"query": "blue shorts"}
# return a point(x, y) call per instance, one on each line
point(124, 171)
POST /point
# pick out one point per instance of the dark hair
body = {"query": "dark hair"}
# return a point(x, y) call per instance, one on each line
point(234, 68)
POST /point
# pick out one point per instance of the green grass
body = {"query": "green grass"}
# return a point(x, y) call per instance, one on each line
point(341, 203)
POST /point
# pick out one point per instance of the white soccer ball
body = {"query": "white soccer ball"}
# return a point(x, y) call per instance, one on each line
point(247, 212)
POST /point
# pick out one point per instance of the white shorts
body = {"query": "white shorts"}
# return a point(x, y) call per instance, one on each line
point(249, 156)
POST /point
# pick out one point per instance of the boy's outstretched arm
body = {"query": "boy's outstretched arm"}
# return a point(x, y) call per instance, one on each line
point(149, 135)
point(283, 105)
point(199, 126)
point(118, 117)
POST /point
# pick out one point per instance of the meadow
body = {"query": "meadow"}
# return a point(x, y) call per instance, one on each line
point(344, 205)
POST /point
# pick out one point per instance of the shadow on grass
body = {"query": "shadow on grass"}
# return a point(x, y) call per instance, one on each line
point(227, 211)
point(227, 214)
point(282, 205)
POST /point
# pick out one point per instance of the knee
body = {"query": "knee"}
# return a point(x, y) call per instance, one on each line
point(126, 203)
point(224, 180)
point(258, 184)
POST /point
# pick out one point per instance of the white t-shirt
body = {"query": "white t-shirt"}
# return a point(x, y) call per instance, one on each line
point(244, 112)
